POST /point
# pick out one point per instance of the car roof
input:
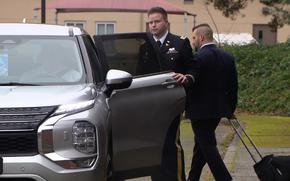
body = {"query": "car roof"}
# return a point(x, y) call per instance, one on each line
point(39, 29)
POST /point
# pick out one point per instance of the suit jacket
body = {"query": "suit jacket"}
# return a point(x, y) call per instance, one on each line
point(214, 94)
point(175, 54)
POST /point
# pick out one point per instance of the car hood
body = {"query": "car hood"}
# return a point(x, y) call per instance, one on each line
point(38, 96)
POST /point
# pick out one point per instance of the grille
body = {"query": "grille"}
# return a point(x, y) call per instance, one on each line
point(18, 129)
point(24, 143)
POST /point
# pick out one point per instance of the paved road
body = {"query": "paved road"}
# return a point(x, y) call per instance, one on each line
point(240, 162)
point(236, 157)
point(223, 132)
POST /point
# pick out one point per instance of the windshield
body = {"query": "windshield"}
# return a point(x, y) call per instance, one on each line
point(35, 60)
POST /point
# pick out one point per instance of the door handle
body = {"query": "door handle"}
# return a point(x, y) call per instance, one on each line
point(169, 84)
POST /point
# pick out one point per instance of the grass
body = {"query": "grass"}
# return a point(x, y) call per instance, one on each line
point(186, 136)
point(268, 131)
point(186, 130)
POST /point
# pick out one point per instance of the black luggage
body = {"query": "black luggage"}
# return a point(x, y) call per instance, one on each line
point(270, 167)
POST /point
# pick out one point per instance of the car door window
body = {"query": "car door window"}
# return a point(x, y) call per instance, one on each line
point(134, 54)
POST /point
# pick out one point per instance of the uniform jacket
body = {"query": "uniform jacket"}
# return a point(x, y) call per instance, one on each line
point(214, 94)
point(175, 54)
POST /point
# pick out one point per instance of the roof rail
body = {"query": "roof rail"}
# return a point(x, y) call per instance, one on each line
point(71, 31)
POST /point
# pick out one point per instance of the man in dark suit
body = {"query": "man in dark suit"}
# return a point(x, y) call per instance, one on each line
point(213, 96)
point(176, 55)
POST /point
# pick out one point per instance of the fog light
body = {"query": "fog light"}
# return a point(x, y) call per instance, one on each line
point(84, 137)
point(75, 164)
point(85, 163)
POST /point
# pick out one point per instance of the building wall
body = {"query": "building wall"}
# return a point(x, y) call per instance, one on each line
point(16, 10)
point(125, 22)
point(244, 23)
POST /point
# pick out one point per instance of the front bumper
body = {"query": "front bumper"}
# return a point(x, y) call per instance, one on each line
point(39, 168)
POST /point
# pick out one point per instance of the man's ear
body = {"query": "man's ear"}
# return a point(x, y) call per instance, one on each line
point(167, 24)
point(202, 38)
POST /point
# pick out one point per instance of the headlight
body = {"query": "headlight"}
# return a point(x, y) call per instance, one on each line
point(77, 107)
point(84, 137)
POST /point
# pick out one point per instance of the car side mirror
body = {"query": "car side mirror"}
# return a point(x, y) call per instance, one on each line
point(117, 79)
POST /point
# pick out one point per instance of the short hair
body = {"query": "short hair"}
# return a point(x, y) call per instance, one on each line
point(205, 29)
point(201, 25)
point(158, 9)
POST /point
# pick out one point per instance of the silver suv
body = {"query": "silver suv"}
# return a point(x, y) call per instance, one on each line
point(67, 114)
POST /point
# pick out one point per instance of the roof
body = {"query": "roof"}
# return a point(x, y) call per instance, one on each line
point(38, 29)
point(234, 38)
point(113, 5)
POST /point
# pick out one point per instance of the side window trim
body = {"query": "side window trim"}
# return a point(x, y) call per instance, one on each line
point(96, 67)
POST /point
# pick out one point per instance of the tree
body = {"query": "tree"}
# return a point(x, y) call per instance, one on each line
point(278, 9)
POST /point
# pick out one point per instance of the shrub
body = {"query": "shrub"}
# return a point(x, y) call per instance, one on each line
point(264, 78)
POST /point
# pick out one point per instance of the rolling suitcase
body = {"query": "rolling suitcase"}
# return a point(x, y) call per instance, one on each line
point(269, 167)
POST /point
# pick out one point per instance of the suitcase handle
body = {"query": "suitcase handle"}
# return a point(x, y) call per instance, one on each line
point(248, 137)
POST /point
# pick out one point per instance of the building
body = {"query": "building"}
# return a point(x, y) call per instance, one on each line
point(110, 16)
point(118, 16)
point(254, 20)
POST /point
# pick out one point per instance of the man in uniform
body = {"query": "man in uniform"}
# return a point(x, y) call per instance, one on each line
point(176, 55)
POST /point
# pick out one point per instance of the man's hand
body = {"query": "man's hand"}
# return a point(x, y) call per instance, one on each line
point(180, 78)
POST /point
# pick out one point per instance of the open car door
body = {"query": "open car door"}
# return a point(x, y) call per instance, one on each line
point(141, 114)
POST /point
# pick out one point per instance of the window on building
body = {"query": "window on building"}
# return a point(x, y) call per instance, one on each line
point(260, 35)
point(80, 24)
point(103, 28)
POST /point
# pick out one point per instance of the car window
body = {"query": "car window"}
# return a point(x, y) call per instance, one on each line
point(134, 55)
point(40, 60)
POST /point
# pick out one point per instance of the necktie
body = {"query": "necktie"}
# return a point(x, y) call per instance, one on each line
point(158, 43)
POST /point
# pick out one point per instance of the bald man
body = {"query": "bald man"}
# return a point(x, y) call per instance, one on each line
point(213, 96)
